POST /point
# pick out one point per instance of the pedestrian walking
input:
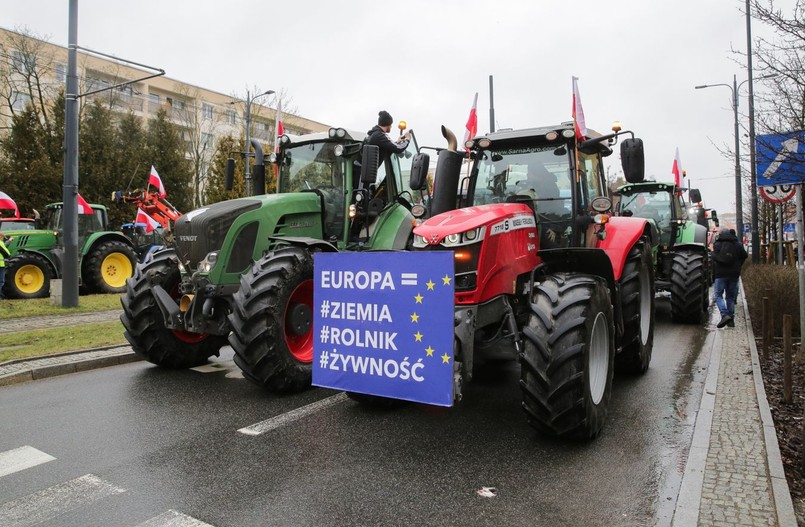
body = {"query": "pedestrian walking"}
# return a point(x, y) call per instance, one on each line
point(728, 258)
point(4, 253)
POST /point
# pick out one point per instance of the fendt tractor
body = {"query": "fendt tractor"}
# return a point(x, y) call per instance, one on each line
point(107, 258)
point(681, 255)
point(245, 266)
point(543, 272)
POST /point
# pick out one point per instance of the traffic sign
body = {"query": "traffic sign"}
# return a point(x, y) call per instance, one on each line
point(780, 158)
point(778, 193)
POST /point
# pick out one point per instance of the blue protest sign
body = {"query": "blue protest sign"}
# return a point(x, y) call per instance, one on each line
point(780, 158)
point(383, 324)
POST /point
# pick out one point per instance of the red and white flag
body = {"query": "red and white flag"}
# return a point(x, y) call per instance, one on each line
point(156, 181)
point(7, 203)
point(472, 122)
point(578, 112)
point(150, 223)
point(677, 170)
point(279, 129)
point(83, 206)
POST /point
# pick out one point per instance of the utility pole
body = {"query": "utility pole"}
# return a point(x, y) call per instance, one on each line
point(247, 147)
point(752, 167)
point(70, 183)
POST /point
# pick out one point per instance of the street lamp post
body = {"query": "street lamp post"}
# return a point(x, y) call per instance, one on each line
point(247, 147)
point(739, 216)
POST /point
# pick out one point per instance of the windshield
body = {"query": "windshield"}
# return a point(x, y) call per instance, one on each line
point(654, 205)
point(86, 222)
point(13, 225)
point(310, 166)
point(541, 173)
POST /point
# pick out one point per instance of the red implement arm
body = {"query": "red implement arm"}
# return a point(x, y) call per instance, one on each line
point(150, 203)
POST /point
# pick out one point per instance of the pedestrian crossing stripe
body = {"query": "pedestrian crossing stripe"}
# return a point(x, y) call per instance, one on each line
point(21, 458)
point(172, 518)
point(47, 504)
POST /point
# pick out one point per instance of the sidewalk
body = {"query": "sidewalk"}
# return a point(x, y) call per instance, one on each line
point(733, 476)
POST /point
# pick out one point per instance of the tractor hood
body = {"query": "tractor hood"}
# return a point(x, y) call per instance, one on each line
point(457, 221)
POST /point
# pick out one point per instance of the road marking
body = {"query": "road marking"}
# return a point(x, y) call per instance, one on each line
point(47, 504)
point(172, 518)
point(294, 415)
point(215, 366)
point(12, 461)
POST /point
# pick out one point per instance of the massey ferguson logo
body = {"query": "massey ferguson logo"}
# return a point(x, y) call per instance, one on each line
point(434, 238)
point(188, 238)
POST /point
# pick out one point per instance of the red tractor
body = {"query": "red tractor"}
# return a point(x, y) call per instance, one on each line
point(543, 272)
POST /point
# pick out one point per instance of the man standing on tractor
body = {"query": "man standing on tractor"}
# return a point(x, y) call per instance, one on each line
point(729, 256)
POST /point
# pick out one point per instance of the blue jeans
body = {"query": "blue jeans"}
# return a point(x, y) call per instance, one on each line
point(730, 287)
point(2, 281)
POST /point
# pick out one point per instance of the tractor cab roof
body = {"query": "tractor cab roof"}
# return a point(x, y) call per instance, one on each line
point(336, 135)
point(648, 186)
point(560, 133)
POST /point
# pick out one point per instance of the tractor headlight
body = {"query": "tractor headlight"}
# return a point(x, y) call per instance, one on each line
point(471, 235)
point(206, 265)
point(452, 239)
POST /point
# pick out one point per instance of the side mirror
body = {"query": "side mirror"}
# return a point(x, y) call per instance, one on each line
point(695, 195)
point(229, 177)
point(370, 159)
point(419, 172)
point(633, 160)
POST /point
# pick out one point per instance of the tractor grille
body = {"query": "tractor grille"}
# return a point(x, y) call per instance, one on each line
point(196, 235)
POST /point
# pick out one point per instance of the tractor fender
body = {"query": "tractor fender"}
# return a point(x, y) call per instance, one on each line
point(693, 247)
point(310, 243)
point(54, 258)
point(98, 238)
point(621, 235)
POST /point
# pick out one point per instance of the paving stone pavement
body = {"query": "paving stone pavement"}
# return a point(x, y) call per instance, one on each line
point(734, 474)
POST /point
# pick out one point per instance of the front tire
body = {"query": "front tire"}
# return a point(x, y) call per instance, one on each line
point(144, 326)
point(28, 275)
point(689, 300)
point(272, 321)
point(108, 266)
point(568, 356)
point(637, 303)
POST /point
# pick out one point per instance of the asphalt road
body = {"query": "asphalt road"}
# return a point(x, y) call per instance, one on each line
point(139, 445)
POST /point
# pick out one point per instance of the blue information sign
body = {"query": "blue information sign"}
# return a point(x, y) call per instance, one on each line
point(780, 158)
point(789, 227)
point(383, 324)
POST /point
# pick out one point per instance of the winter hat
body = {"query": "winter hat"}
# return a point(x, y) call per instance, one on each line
point(384, 118)
point(724, 231)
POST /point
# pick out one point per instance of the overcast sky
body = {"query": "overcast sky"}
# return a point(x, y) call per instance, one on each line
point(423, 61)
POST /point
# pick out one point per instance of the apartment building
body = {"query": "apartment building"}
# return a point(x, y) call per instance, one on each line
point(30, 66)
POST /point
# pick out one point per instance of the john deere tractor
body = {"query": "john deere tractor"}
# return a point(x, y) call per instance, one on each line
point(681, 254)
point(241, 271)
point(107, 258)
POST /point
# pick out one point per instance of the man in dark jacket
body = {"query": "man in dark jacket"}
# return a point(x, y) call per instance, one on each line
point(379, 136)
point(728, 258)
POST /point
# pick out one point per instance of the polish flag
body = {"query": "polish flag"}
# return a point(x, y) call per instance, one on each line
point(83, 206)
point(150, 223)
point(279, 130)
point(7, 203)
point(677, 170)
point(578, 112)
point(472, 122)
point(156, 181)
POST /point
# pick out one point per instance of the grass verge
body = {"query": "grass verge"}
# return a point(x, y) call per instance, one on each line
point(36, 307)
point(42, 342)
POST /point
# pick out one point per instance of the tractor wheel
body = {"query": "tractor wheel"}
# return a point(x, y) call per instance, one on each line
point(144, 326)
point(107, 267)
point(688, 287)
point(272, 321)
point(28, 276)
point(568, 356)
point(637, 305)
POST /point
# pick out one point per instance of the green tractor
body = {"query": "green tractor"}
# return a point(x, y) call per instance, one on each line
point(681, 253)
point(241, 271)
point(107, 258)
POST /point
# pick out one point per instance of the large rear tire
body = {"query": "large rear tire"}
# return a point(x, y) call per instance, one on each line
point(28, 275)
point(108, 265)
point(567, 359)
point(272, 321)
point(144, 326)
point(637, 304)
point(688, 287)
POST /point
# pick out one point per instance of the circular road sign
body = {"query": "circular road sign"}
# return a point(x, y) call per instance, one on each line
point(777, 193)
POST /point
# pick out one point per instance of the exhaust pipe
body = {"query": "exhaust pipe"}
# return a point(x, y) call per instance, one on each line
point(452, 142)
point(447, 175)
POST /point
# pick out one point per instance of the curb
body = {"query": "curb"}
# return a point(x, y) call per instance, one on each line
point(779, 485)
point(75, 363)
